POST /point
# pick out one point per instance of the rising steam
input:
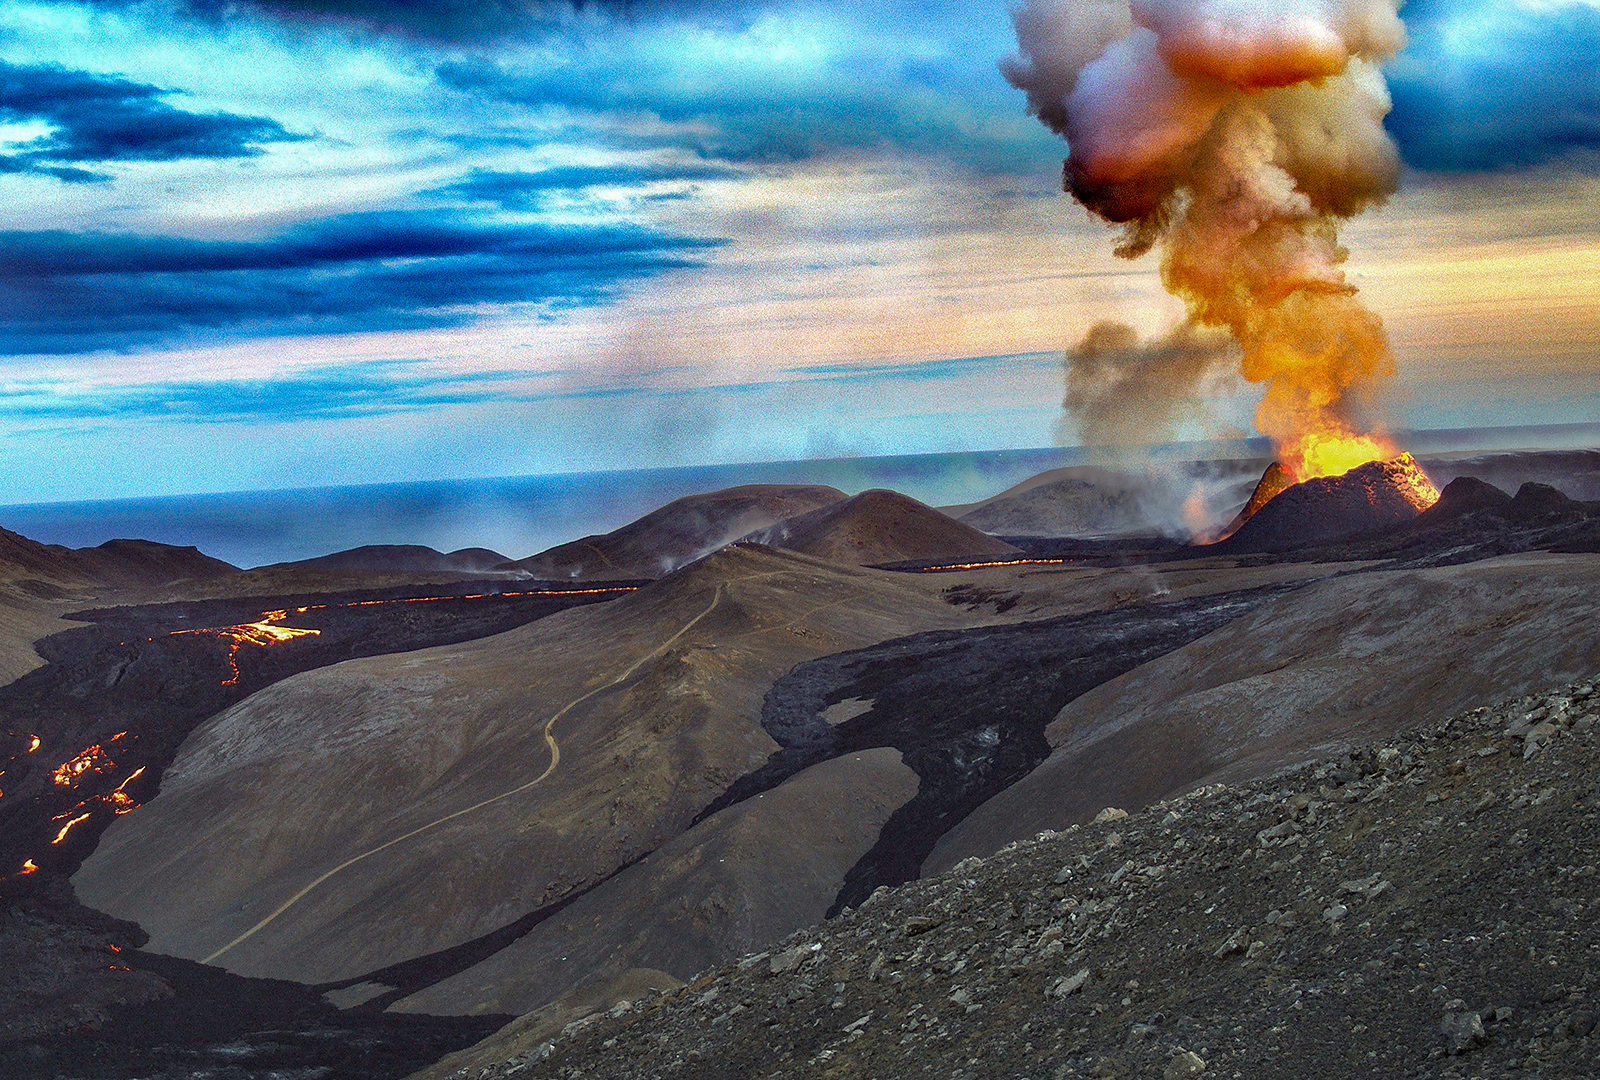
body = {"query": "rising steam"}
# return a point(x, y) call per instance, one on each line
point(1236, 134)
point(1122, 391)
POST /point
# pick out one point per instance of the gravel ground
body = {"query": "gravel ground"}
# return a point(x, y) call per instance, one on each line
point(1422, 908)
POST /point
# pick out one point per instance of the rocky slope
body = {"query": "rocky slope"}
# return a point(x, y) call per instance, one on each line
point(1355, 657)
point(1418, 907)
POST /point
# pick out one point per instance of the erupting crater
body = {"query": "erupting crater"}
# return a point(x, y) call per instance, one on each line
point(1283, 514)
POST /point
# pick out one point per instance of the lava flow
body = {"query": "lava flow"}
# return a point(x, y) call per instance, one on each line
point(90, 759)
point(267, 630)
point(986, 565)
point(117, 799)
point(264, 631)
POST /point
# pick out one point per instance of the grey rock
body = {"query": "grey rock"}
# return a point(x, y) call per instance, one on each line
point(1462, 1031)
point(1069, 985)
point(1184, 1064)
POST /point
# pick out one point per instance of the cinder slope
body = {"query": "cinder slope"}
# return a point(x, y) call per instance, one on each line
point(411, 801)
point(1077, 501)
point(878, 527)
point(1421, 908)
point(1357, 657)
point(677, 533)
point(38, 582)
point(115, 563)
point(1370, 498)
point(400, 558)
point(743, 877)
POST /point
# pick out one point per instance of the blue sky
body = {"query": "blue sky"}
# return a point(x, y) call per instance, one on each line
point(262, 243)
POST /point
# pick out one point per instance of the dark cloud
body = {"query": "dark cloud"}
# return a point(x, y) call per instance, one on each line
point(103, 118)
point(523, 190)
point(66, 292)
point(1488, 84)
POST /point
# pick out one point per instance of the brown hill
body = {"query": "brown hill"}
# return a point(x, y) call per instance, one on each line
point(116, 563)
point(878, 527)
point(1076, 501)
point(677, 533)
point(400, 558)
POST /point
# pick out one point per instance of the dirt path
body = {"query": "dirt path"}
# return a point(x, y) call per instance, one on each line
point(555, 759)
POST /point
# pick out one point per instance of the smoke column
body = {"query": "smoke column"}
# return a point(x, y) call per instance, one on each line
point(1236, 134)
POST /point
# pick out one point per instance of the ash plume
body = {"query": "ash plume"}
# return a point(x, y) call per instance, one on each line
point(1236, 134)
point(1123, 392)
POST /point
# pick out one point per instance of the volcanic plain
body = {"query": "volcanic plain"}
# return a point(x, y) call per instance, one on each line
point(398, 802)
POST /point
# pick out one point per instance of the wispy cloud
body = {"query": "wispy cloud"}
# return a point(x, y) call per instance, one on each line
point(94, 119)
point(334, 391)
point(526, 190)
point(64, 292)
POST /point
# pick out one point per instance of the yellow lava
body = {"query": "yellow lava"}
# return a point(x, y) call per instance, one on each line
point(69, 826)
point(986, 565)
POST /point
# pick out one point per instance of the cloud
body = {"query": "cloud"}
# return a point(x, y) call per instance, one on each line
point(1487, 84)
point(525, 190)
point(340, 391)
point(334, 391)
point(63, 292)
point(789, 86)
point(104, 118)
point(434, 21)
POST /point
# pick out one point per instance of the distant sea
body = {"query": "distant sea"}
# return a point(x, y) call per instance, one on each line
point(520, 515)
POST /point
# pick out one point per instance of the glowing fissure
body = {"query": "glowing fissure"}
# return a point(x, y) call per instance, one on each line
point(267, 630)
point(986, 565)
point(117, 800)
point(72, 821)
point(90, 759)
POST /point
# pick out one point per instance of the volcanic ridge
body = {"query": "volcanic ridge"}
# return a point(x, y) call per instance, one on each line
point(878, 527)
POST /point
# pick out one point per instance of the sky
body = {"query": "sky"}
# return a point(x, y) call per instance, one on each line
point(275, 243)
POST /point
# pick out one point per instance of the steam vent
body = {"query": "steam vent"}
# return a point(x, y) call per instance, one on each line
point(1367, 499)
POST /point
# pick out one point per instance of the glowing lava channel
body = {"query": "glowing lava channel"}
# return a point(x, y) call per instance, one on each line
point(90, 759)
point(986, 565)
point(267, 631)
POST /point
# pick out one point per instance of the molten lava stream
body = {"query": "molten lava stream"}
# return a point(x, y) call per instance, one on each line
point(266, 631)
point(263, 632)
point(117, 799)
point(90, 759)
point(986, 565)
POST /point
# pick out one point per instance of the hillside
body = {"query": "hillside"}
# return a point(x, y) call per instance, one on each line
point(677, 533)
point(400, 558)
point(41, 582)
point(115, 563)
point(405, 804)
point(1354, 657)
point(879, 527)
point(1421, 906)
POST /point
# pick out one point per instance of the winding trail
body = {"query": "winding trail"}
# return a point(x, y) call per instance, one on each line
point(555, 759)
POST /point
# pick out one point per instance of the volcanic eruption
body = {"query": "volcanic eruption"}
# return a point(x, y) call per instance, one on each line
point(1235, 135)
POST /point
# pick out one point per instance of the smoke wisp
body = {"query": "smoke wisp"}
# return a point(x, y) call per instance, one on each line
point(1123, 392)
point(1236, 135)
